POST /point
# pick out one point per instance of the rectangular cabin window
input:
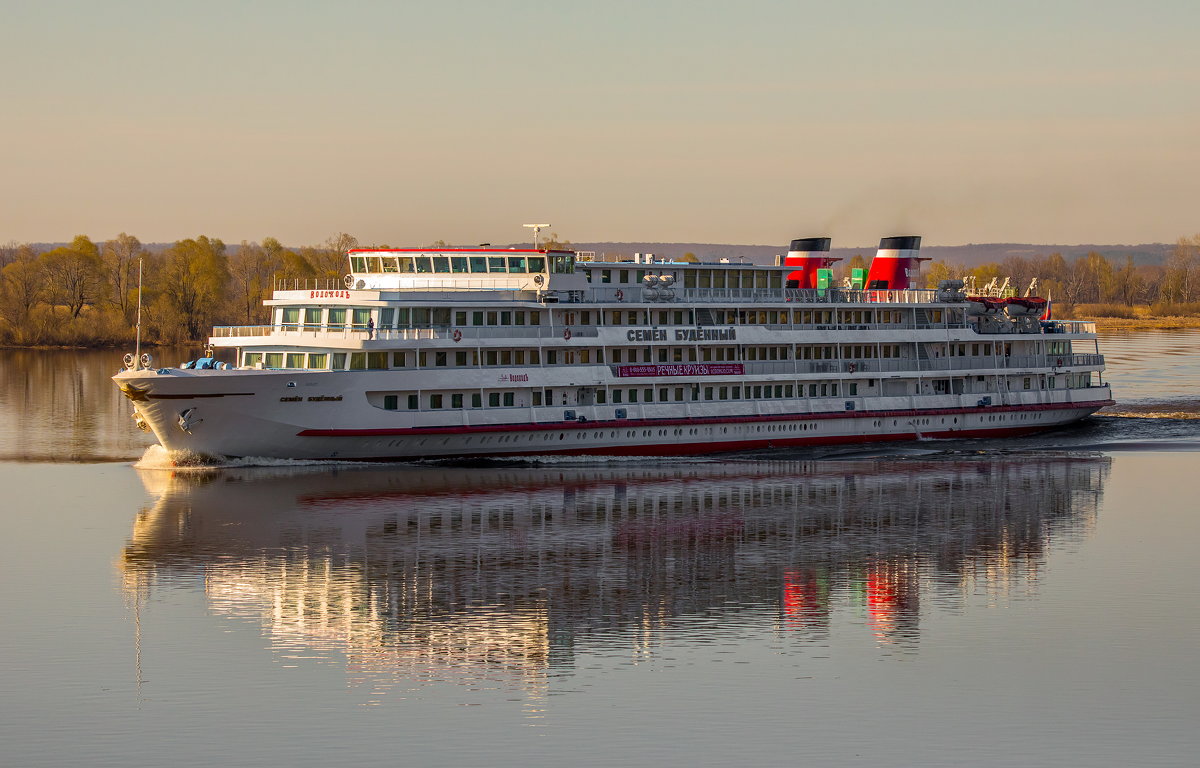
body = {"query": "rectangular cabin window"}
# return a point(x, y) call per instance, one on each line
point(601, 396)
point(535, 318)
point(312, 317)
point(274, 359)
point(606, 275)
point(337, 316)
point(391, 402)
point(441, 264)
point(516, 264)
point(358, 361)
point(389, 264)
point(435, 401)
point(358, 263)
point(441, 316)
point(456, 401)
point(719, 278)
point(252, 359)
point(460, 318)
point(618, 396)
point(491, 318)
point(479, 264)
point(458, 264)
point(406, 264)
point(361, 316)
point(705, 279)
point(413, 403)
point(387, 317)
point(476, 318)
point(633, 395)
point(399, 359)
point(420, 317)
point(460, 358)
point(339, 361)
point(497, 264)
point(519, 318)
point(562, 263)
point(291, 316)
point(423, 264)
point(537, 398)
point(493, 399)
point(295, 360)
point(476, 400)
point(318, 360)
point(624, 275)
point(509, 399)
point(506, 318)
point(537, 263)
point(439, 359)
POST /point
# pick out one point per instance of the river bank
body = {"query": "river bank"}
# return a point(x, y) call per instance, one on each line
point(1143, 323)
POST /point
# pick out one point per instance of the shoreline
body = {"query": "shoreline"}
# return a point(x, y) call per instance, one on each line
point(1142, 323)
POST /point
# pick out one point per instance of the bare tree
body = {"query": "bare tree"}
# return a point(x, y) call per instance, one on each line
point(120, 258)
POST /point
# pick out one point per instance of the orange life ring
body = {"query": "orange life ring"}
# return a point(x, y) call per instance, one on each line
point(1059, 363)
point(457, 336)
point(620, 295)
point(852, 367)
point(567, 334)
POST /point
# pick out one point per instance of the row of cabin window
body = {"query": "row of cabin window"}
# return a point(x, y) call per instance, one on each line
point(404, 317)
point(477, 265)
point(731, 279)
point(361, 361)
point(694, 393)
point(421, 317)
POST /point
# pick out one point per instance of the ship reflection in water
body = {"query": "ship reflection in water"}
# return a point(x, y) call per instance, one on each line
point(512, 576)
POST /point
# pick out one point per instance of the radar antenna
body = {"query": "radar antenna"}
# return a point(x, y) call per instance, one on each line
point(537, 228)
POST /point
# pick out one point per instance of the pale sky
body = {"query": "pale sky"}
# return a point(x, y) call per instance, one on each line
point(735, 122)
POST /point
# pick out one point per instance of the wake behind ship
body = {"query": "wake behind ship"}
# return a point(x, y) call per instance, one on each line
point(429, 353)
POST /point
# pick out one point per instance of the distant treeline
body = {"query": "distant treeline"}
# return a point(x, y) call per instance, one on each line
point(85, 293)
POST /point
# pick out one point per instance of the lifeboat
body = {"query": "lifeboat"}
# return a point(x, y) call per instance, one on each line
point(1033, 305)
point(984, 305)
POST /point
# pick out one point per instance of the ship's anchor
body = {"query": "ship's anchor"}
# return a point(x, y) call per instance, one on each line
point(187, 420)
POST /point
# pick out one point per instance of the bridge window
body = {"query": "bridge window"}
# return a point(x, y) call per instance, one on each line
point(423, 264)
point(358, 263)
point(537, 264)
point(459, 264)
point(516, 263)
point(441, 264)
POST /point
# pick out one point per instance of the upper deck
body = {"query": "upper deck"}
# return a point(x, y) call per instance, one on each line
point(552, 277)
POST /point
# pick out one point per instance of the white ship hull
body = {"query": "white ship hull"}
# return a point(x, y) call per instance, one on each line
point(252, 413)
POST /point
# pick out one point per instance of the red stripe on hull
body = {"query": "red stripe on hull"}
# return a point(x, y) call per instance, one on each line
point(700, 449)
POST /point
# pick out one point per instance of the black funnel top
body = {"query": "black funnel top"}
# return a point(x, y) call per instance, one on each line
point(906, 243)
point(812, 244)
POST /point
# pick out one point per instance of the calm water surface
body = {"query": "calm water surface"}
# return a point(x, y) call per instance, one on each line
point(1021, 602)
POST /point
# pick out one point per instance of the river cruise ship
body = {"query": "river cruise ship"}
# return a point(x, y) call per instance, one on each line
point(484, 352)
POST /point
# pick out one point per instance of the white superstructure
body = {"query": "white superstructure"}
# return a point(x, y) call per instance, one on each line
point(483, 352)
